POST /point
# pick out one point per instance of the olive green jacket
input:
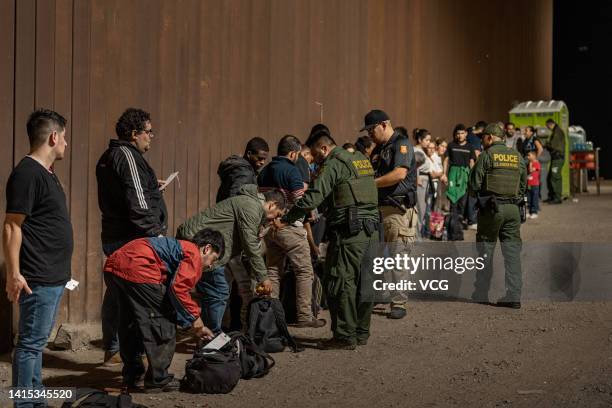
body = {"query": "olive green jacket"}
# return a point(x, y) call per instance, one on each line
point(556, 142)
point(332, 173)
point(238, 219)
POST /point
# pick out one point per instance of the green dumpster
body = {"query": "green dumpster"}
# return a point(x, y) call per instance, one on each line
point(536, 113)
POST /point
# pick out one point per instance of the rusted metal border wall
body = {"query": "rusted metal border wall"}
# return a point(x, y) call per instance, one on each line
point(215, 73)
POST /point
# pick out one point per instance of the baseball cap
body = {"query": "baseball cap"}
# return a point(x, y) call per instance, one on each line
point(494, 129)
point(373, 118)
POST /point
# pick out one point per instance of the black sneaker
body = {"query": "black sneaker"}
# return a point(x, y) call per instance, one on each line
point(505, 302)
point(172, 386)
point(397, 313)
point(337, 344)
point(362, 342)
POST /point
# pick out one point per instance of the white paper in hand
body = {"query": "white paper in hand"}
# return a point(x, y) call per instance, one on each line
point(218, 342)
point(168, 180)
point(72, 284)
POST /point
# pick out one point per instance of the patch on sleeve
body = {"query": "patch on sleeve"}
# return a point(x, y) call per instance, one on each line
point(404, 149)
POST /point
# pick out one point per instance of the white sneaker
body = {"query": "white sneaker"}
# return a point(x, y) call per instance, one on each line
point(473, 227)
point(533, 216)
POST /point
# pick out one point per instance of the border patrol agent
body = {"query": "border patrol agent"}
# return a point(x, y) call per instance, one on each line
point(396, 181)
point(345, 185)
point(499, 178)
point(556, 147)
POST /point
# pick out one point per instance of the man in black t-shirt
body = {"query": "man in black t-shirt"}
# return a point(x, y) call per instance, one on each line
point(460, 157)
point(37, 243)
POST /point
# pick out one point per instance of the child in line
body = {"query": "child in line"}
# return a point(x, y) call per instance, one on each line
point(533, 185)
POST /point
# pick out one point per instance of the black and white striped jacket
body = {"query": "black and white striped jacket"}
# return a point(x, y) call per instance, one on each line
point(131, 203)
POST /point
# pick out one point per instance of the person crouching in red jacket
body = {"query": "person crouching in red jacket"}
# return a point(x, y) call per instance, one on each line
point(153, 278)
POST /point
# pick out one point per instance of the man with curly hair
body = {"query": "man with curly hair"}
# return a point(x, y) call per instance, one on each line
point(131, 203)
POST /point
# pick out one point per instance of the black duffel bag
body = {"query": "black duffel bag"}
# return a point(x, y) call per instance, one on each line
point(212, 371)
point(254, 362)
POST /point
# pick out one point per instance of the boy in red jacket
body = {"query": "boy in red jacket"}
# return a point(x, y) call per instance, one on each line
point(533, 184)
point(152, 278)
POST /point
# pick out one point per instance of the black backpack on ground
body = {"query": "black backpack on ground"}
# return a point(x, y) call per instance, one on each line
point(267, 326)
point(90, 397)
point(254, 362)
point(212, 371)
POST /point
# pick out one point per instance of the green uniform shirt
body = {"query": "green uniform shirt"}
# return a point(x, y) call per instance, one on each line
point(485, 163)
point(556, 143)
point(332, 173)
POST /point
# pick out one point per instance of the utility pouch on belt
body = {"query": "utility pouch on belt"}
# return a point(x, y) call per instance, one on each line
point(370, 227)
point(487, 202)
point(493, 204)
point(353, 221)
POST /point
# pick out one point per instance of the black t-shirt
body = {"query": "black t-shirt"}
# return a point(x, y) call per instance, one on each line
point(304, 169)
point(460, 155)
point(46, 247)
point(397, 152)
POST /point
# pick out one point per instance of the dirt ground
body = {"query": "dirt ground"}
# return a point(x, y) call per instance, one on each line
point(442, 354)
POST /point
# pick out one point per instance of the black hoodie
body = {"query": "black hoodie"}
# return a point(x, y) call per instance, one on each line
point(234, 172)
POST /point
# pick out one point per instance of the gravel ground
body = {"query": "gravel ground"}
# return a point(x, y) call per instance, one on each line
point(442, 354)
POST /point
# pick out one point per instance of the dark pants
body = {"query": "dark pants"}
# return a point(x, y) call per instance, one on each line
point(472, 209)
point(533, 198)
point(555, 183)
point(455, 227)
point(110, 308)
point(350, 316)
point(146, 323)
point(505, 225)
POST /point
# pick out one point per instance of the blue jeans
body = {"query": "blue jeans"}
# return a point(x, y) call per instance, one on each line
point(533, 198)
point(110, 309)
point(36, 319)
point(215, 292)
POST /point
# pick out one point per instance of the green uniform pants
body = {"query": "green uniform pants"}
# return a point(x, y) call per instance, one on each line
point(350, 317)
point(504, 224)
point(555, 183)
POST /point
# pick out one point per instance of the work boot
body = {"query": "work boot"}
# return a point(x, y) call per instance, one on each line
point(111, 359)
point(507, 302)
point(397, 313)
point(172, 386)
point(337, 344)
point(314, 323)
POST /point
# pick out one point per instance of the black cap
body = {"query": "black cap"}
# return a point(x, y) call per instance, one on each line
point(373, 118)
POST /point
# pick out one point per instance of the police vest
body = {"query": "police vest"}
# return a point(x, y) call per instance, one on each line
point(360, 190)
point(504, 175)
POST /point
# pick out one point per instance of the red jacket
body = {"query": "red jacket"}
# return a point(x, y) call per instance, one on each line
point(168, 261)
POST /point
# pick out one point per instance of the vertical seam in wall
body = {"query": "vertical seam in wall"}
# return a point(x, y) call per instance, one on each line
point(14, 81)
point(35, 47)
